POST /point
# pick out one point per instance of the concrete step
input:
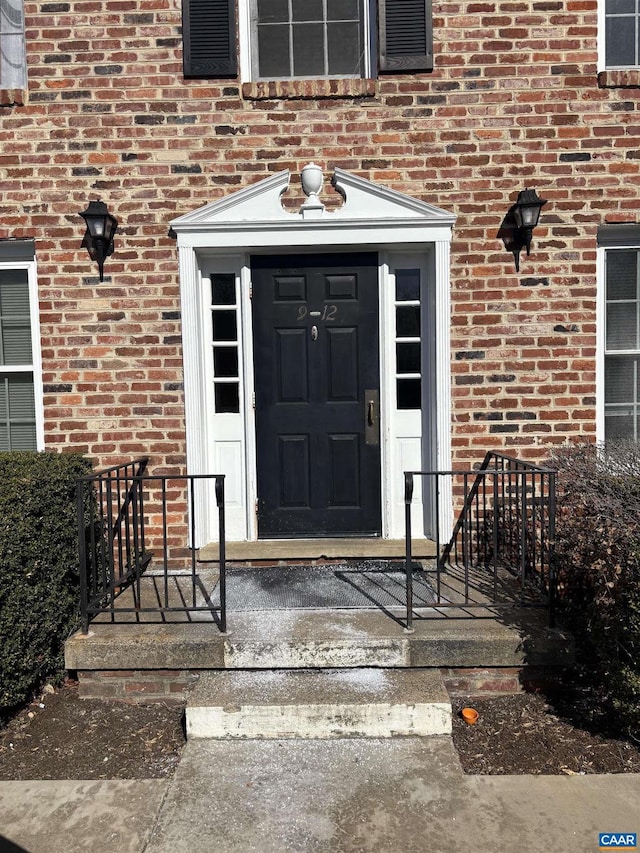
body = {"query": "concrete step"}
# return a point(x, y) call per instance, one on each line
point(285, 550)
point(304, 639)
point(330, 703)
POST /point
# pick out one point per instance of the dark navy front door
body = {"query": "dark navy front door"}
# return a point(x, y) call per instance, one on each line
point(316, 361)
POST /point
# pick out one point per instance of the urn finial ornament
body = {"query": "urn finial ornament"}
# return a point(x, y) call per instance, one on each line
point(312, 180)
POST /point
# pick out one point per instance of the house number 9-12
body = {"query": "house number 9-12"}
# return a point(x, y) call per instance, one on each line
point(329, 312)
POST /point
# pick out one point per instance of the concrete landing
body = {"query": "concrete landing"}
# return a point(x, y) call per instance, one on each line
point(372, 703)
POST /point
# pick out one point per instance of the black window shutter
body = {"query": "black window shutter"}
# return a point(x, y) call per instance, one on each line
point(406, 35)
point(209, 38)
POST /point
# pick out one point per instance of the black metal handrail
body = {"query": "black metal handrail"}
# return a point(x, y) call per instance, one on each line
point(501, 550)
point(137, 535)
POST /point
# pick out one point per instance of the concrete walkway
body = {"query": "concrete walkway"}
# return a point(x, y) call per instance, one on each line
point(402, 795)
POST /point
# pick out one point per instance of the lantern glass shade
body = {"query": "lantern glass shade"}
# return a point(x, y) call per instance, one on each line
point(527, 209)
point(100, 223)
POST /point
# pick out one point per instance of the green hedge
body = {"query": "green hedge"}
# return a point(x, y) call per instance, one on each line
point(598, 563)
point(39, 598)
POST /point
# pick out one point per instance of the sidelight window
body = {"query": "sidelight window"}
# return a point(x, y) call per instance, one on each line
point(224, 309)
point(408, 339)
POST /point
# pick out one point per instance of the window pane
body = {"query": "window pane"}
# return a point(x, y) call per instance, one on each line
point(273, 51)
point(409, 396)
point(23, 437)
point(273, 11)
point(619, 7)
point(620, 379)
point(15, 337)
point(15, 321)
point(408, 358)
point(227, 398)
point(622, 275)
point(619, 424)
point(223, 289)
point(620, 41)
point(312, 38)
point(307, 10)
point(407, 285)
point(225, 361)
point(343, 10)
point(14, 292)
point(11, 18)
point(408, 321)
point(21, 402)
point(17, 413)
point(308, 50)
point(13, 72)
point(224, 326)
point(622, 326)
point(343, 48)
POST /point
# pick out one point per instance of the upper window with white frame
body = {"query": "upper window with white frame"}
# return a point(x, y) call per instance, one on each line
point(21, 417)
point(622, 344)
point(13, 58)
point(306, 39)
point(621, 33)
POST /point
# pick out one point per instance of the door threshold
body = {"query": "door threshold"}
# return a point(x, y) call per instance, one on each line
point(318, 549)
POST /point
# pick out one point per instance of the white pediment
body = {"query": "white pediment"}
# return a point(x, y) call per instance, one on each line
point(364, 203)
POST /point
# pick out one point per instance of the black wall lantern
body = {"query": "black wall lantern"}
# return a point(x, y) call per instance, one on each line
point(517, 228)
point(98, 238)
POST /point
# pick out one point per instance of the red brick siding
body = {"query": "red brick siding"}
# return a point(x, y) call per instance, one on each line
point(160, 685)
point(513, 101)
point(163, 685)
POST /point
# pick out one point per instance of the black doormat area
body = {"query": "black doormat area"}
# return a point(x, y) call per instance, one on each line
point(369, 584)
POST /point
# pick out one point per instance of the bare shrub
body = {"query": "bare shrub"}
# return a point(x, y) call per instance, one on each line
point(598, 568)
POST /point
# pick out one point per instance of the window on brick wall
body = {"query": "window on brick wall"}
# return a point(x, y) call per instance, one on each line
point(13, 59)
point(621, 33)
point(305, 39)
point(20, 374)
point(622, 344)
point(619, 332)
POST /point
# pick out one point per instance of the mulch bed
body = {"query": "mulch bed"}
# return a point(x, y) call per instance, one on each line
point(527, 733)
point(60, 736)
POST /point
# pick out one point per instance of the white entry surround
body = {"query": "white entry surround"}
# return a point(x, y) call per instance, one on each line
point(220, 238)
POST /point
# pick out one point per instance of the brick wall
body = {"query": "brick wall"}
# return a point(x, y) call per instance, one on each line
point(514, 101)
point(164, 685)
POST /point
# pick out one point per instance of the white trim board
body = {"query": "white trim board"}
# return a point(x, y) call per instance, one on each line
point(221, 237)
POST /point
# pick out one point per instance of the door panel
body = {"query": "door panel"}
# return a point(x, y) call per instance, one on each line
point(315, 320)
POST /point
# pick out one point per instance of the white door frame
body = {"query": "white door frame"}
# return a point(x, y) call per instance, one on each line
point(222, 236)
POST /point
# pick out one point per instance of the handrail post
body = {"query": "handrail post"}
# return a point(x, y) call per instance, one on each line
point(552, 546)
point(82, 557)
point(408, 495)
point(222, 552)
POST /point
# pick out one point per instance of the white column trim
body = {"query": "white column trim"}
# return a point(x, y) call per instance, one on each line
point(443, 385)
point(194, 387)
point(192, 349)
